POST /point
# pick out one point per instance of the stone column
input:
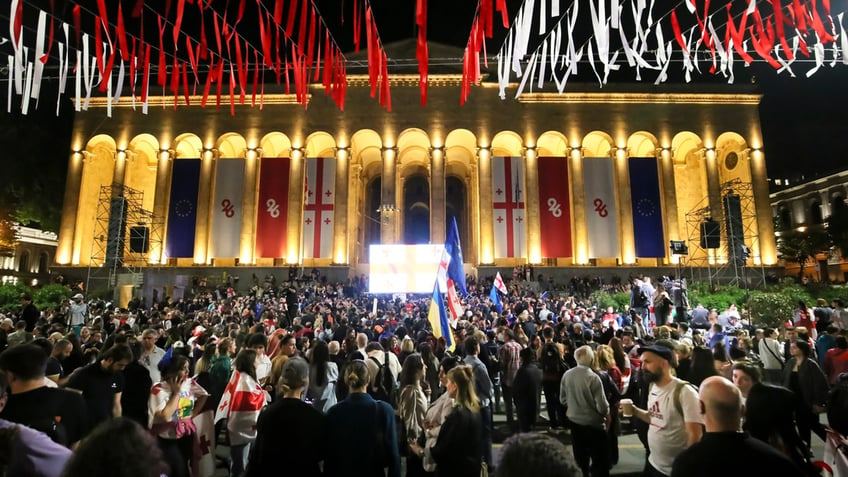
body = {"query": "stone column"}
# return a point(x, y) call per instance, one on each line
point(668, 191)
point(249, 200)
point(295, 212)
point(120, 172)
point(161, 201)
point(70, 207)
point(472, 189)
point(388, 196)
point(356, 212)
point(204, 205)
point(578, 196)
point(438, 225)
point(625, 205)
point(487, 227)
point(532, 206)
point(765, 225)
point(341, 212)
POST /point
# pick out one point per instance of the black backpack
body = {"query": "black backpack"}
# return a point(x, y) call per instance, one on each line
point(837, 406)
point(385, 386)
point(553, 367)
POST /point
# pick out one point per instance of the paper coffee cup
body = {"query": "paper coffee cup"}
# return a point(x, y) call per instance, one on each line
point(626, 407)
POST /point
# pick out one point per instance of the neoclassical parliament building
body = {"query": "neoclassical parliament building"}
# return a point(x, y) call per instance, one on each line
point(588, 179)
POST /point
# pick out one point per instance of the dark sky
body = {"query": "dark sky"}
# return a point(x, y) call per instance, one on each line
point(802, 119)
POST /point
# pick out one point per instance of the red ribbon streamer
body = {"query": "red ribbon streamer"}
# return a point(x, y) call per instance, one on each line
point(121, 33)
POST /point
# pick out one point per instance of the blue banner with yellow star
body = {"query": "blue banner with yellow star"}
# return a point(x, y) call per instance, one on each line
point(182, 212)
point(647, 208)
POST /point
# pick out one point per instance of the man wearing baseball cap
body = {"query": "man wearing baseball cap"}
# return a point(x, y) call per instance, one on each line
point(673, 411)
point(79, 313)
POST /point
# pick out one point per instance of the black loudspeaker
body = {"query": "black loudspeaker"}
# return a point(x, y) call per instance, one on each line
point(678, 247)
point(710, 234)
point(116, 231)
point(139, 239)
point(734, 230)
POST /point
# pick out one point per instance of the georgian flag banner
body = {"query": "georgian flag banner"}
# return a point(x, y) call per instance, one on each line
point(318, 209)
point(508, 207)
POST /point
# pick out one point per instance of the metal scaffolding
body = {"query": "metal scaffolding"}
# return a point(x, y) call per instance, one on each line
point(124, 234)
point(726, 264)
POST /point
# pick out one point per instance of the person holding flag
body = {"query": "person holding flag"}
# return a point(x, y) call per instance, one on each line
point(241, 403)
point(498, 286)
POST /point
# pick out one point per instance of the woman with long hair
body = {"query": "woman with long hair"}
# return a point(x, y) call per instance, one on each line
point(702, 365)
point(431, 370)
point(301, 451)
point(457, 451)
point(173, 402)
point(241, 422)
point(803, 376)
point(611, 378)
point(412, 409)
point(438, 411)
point(362, 435)
point(323, 375)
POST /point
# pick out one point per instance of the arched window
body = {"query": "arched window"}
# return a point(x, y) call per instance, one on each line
point(785, 217)
point(43, 263)
point(816, 213)
point(23, 263)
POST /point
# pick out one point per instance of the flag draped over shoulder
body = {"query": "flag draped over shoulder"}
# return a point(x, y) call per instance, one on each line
point(438, 317)
point(454, 305)
point(203, 459)
point(241, 403)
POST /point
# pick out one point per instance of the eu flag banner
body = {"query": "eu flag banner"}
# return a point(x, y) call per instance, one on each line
point(647, 209)
point(182, 212)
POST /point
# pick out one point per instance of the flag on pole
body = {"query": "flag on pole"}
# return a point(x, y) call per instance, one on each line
point(241, 403)
point(454, 305)
point(499, 284)
point(496, 299)
point(452, 245)
point(438, 318)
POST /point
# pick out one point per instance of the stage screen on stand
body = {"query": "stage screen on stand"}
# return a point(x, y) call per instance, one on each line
point(403, 268)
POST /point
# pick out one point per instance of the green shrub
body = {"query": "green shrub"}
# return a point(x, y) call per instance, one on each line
point(603, 299)
point(770, 308)
point(50, 296)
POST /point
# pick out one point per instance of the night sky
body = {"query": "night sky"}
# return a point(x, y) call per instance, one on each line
point(803, 119)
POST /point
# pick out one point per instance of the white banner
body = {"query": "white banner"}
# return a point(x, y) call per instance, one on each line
point(227, 209)
point(601, 212)
point(318, 207)
point(508, 207)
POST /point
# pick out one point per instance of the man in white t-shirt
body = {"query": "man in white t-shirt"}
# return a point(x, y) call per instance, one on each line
point(673, 411)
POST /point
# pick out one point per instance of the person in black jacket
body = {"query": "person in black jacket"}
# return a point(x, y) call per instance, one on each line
point(362, 434)
point(457, 450)
point(526, 390)
point(275, 442)
point(721, 406)
point(137, 384)
point(770, 413)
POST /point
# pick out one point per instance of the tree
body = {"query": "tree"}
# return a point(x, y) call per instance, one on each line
point(8, 233)
point(837, 227)
point(802, 247)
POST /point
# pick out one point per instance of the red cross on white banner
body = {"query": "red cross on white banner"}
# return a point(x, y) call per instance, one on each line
point(508, 205)
point(318, 207)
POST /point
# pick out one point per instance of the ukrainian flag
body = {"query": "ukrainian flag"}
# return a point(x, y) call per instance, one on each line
point(438, 317)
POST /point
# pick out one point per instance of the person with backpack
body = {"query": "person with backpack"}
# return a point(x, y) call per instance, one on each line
point(553, 367)
point(383, 369)
point(673, 411)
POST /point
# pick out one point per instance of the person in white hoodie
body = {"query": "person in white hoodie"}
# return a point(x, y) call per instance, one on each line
point(771, 353)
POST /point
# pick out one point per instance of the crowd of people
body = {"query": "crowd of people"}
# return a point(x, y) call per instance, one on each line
point(306, 378)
